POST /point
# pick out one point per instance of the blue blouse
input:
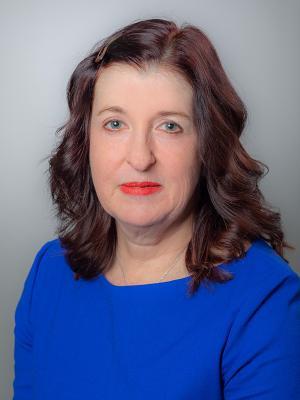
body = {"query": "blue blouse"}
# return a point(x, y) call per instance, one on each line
point(92, 340)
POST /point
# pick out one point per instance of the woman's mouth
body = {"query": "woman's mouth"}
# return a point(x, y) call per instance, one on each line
point(140, 188)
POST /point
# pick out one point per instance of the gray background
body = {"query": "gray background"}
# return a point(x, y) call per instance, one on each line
point(42, 42)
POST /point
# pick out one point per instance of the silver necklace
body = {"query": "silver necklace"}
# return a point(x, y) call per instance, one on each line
point(163, 276)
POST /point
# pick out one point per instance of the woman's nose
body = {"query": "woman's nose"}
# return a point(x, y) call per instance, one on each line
point(140, 153)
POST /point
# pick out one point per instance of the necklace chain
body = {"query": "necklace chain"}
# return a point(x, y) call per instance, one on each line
point(165, 273)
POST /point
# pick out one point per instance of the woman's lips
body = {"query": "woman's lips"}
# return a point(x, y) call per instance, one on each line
point(141, 184)
point(140, 189)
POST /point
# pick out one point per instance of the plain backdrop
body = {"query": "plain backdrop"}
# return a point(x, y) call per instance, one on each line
point(41, 44)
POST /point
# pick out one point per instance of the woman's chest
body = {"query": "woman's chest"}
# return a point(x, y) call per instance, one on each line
point(103, 350)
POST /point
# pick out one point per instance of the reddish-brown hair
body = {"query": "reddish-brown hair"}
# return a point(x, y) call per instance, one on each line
point(229, 206)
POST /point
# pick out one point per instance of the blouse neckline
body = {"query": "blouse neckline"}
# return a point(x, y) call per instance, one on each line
point(144, 285)
point(175, 282)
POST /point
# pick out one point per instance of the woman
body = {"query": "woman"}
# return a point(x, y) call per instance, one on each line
point(167, 279)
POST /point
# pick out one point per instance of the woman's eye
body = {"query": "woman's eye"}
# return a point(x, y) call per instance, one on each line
point(170, 125)
point(115, 122)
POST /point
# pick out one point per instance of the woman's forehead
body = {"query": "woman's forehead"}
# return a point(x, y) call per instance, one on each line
point(128, 74)
point(124, 83)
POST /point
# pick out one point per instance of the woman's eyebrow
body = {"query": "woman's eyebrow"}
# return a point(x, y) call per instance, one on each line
point(160, 113)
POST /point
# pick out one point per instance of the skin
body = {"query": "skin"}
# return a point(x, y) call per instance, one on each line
point(140, 146)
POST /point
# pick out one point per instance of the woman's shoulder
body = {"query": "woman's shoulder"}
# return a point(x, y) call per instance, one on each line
point(264, 330)
point(261, 269)
point(52, 252)
point(48, 276)
point(49, 266)
point(261, 259)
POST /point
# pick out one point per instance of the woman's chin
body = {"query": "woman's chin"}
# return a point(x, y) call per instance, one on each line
point(140, 219)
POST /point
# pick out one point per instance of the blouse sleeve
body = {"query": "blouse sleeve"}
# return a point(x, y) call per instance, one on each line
point(23, 334)
point(261, 358)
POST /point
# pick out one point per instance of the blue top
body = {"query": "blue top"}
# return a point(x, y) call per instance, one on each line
point(92, 340)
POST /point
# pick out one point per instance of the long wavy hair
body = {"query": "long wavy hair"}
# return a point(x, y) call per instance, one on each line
point(228, 209)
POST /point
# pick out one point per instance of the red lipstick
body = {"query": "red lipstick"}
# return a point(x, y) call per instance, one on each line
point(140, 188)
point(141, 184)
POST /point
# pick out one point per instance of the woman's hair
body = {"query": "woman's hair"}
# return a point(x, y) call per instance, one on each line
point(229, 207)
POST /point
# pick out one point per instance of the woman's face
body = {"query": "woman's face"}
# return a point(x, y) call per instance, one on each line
point(132, 142)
